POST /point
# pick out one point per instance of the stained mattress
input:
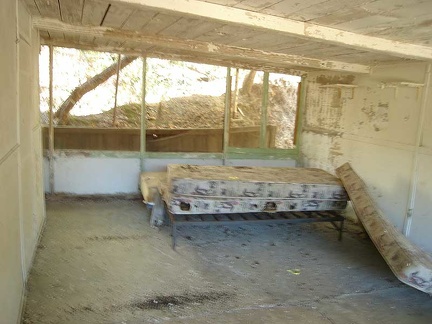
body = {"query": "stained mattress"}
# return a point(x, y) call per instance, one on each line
point(150, 183)
point(193, 189)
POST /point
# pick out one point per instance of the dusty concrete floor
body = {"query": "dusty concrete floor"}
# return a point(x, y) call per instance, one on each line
point(100, 262)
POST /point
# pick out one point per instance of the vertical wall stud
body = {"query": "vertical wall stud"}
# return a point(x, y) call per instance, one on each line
point(114, 123)
point(143, 115)
point(227, 115)
point(301, 103)
point(236, 93)
point(51, 123)
point(264, 115)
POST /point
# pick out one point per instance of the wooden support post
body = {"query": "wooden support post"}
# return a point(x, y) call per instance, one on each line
point(301, 104)
point(264, 112)
point(143, 115)
point(114, 123)
point(227, 115)
point(51, 123)
point(236, 94)
point(297, 117)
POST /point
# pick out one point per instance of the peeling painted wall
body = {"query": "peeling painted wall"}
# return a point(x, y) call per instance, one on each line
point(372, 122)
point(22, 209)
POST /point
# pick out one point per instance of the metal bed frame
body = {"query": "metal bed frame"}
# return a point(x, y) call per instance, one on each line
point(333, 217)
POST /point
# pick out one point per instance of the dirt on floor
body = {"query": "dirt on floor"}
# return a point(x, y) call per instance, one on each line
point(101, 262)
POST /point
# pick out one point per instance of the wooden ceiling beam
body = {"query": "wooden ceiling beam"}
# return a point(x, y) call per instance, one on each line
point(282, 26)
point(154, 53)
point(192, 47)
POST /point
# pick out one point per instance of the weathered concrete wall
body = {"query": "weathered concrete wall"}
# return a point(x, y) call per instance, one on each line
point(79, 174)
point(372, 122)
point(21, 192)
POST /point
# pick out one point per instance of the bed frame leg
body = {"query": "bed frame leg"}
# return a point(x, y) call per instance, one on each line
point(173, 235)
point(341, 226)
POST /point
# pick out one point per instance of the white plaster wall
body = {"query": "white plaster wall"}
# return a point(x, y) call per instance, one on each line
point(385, 170)
point(21, 193)
point(46, 174)
point(422, 216)
point(374, 127)
point(11, 267)
point(100, 175)
point(32, 201)
point(79, 174)
point(11, 276)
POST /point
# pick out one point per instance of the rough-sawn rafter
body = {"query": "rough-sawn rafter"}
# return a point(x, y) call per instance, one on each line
point(218, 51)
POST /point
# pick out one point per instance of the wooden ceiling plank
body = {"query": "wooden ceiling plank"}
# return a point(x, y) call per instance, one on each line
point(392, 19)
point(366, 23)
point(227, 34)
point(94, 12)
point(228, 3)
point(117, 16)
point(139, 19)
point(196, 47)
point(71, 11)
point(256, 5)
point(231, 34)
point(331, 8)
point(48, 8)
point(399, 8)
point(182, 27)
point(287, 42)
point(284, 25)
point(213, 35)
point(32, 7)
point(202, 29)
point(261, 41)
point(158, 23)
point(310, 48)
point(287, 7)
point(307, 46)
point(340, 16)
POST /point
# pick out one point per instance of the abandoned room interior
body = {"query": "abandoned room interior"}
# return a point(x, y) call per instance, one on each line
point(215, 161)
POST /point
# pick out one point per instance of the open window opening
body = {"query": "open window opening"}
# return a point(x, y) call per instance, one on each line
point(184, 106)
point(97, 100)
point(266, 105)
point(94, 99)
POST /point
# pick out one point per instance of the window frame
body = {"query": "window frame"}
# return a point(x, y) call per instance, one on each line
point(228, 152)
